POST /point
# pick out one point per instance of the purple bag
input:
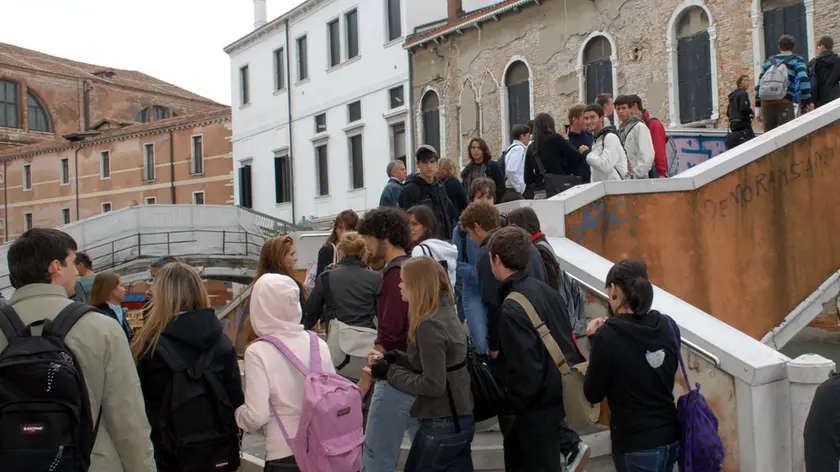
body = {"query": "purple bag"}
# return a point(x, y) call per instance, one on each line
point(701, 449)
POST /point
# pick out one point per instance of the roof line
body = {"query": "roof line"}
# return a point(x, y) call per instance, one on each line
point(475, 21)
point(275, 23)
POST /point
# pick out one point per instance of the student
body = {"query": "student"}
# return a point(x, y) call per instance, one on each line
point(422, 226)
point(434, 369)
point(824, 71)
point(777, 105)
point(183, 326)
point(658, 137)
point(423, 188)
point(636, 140)
point(448, 176)
point(386, 234)
point(42, 270)
point(822, 428)
point(606, 102)
point(86, 275)
point(550, 154)
point(345, 221)
point(740, 114)
point(481, 164)
point(632, 364)
point(396, 176)
point(538, 430)
point(514, 164)
point(107, 294)
point(607, 157)
point(580, 138)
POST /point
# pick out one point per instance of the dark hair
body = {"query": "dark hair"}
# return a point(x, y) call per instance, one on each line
point(518, 130)
point(637, 100)
point(426, 217)
point(426, 153)
point(482, 185)
point(787, 43)
point(348, 219)
point(526, 218)
point(84, 260)
point(485, 149)
point(482, 214)
point(596, 108)
point(603, 99)
point(513, 246)
point(826, 42)
point(542, 129)
point(386, 224)
point(623, 100)
point(31, 254)
point(631, 276)
point(741, 80)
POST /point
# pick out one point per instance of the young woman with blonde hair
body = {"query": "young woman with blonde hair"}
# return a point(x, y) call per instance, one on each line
point(448, 176)
point(182, 328)
point(434, 370)
point(106, 294)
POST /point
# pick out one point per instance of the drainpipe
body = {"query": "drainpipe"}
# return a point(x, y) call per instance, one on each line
point(5, 206)
point(409, 153)
point(76, 179)
point(86, 104)
point(289, 100)
point(171, 168)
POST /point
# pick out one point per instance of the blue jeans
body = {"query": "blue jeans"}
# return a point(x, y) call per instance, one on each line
point(476, 315)
point(388, 418)
point(659, 459)
point(438, 447)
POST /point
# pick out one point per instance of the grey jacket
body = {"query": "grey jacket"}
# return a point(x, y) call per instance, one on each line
point(352, 296)
point(440, 342)
point(123, 442)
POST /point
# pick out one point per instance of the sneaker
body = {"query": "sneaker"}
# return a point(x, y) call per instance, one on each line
point(577, 459)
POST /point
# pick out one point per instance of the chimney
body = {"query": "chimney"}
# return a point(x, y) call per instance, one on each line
point(260, 13)
point(454, 11)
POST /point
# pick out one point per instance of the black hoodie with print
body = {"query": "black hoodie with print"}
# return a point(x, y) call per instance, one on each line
point(632, 364)
point(417, 191)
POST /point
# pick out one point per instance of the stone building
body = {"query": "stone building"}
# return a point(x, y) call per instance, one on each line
point(480, 72)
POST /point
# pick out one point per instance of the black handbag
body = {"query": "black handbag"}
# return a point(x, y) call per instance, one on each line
point(490, 398)
point(554, 183)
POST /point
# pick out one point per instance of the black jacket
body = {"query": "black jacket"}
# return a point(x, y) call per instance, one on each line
point(825, 75)
point(417, 191)
point(558, 157)
point(534, 380)
point(190, 334)
point(585, 139)
point(456, 193)
point(490, 169)
point(822, 428)
point(624, 369)
point(325, 258)
point(107, 311)
point(352, 295)
point(739, 112)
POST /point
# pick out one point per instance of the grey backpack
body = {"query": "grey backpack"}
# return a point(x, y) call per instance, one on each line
point(775, 82)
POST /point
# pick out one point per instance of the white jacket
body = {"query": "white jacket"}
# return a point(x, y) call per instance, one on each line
point(607, 158)
point(639, 147)
point(440, 251)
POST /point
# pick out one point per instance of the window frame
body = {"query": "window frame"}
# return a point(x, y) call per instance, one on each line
point(149, 173)
point(319, 191)
point(16, 105)
point(40, 108)
point(283, 181)
point(317, 127)
point(64, 172)
point(391, 97)
point(244, 85)
point(352, 43)
point(279, 69)
point(196, 161)
point(389, 33)
point(425, 115)
point(102, 207)
point(104, 172)
point(333, 50)
point(392, 132)
point(28, 221)
point(302, 45)
point(66, 216)
point(203, 197)
point(351, 174)
point(27, 177)
point(350, 111)
point(150, 201)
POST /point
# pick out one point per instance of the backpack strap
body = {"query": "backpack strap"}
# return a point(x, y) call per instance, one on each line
point(66, 319)
point(542, 331)
point(169, 356)
point(10, 322)
point(314, 353)
point(672, 325)
point(325, 287)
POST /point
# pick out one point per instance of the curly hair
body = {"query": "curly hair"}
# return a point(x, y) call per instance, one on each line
point(485, 149)
point(446, 168)
point(480, 214)
point(386, 224)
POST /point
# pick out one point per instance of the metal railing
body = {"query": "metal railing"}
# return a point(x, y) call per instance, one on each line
point(694, 347)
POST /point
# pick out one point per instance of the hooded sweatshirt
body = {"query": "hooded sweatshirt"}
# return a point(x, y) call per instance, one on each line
point(607, 157)
point(739, 110)
point(440, 251)
point(632, 363)
point(418, 191)
point(638, 145)
point(825, 78)
point(269, 376)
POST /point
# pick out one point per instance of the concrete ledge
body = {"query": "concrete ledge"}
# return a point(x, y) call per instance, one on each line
point(804, 313)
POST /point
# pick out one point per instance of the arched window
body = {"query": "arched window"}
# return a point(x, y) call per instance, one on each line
point(153, 113)
point(430, 107)
point(39, 120)
point(694, 67)
point(518, 94)
point(9, 104)
point(597, 68)
point(784, 17)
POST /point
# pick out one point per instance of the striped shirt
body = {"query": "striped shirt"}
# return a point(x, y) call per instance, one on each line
point(800, 83)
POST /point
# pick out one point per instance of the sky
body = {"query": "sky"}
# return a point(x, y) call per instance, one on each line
point(178, 41)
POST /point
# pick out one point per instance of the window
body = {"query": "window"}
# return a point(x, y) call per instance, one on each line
point(357, 169)
point(694, 69)
point(303, 59)
point(106, 207)
point(394, 20)
point(9, 111)
point(785, 17)
point(279, 70)
point(153, 113)
point(197, 163)
point(322, 170)
point(65, 171)
point(321, 123)
point(396, 97)
point(354, 112)
point(431, 120)
point(334, 36)
point(244, 93)
point(245, 190)
point(398, 142)
point(519, 94)
point(65, 216)
point(151, 200)
point(282, 178)
point(597, 68)
point(27, 221)
point(198, 198)
point(105, 165)
point(27, 177)
point(38, 118)
point(149, 162)
point(351, 25)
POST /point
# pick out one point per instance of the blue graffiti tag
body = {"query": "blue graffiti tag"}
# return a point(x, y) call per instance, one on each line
point(617, 217)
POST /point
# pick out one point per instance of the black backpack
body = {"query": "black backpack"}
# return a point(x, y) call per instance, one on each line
point(45, 415)
point(198, 432)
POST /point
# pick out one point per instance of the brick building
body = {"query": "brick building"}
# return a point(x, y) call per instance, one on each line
point(477, 73)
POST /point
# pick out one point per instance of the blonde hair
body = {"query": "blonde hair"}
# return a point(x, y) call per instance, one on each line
point(103, 286)
point(176, 289)
point(427, 284)
point(446, 168)
point(351, 244)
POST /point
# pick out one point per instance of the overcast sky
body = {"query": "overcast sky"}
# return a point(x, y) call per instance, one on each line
point(179, 41)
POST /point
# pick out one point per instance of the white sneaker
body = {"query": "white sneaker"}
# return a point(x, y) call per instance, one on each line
point(577, 459)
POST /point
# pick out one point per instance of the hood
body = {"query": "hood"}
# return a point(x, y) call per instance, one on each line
point(442, 250)
point(633, 119)
point(198, 329)
point(605, 130)
point(416, 179)
point(275, 305)
point(736, 92)
point(831, 58)
point(448, 178)
point(648, 331)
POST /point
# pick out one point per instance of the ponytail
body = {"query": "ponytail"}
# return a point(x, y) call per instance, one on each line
point(630, 275)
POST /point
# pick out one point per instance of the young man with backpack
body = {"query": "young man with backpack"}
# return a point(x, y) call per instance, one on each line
point(824, 71)
point(423, 188)
point(513, 163)
point(92, 373)
point(657, 136)
point(607, 157)
point(777, 85)
point(636, 139)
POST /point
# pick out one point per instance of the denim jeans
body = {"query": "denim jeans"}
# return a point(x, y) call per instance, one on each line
point(388, 419)
point(476, 314)
point(659, 459)
point(438, 447)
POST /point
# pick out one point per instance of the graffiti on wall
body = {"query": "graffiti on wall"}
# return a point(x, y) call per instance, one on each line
point(695, 150)
point(599, 217)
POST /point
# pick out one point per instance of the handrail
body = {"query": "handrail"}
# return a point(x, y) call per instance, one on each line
point(603, 296)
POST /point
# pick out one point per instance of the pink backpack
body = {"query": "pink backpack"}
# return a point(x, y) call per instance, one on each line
point(330, 435)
